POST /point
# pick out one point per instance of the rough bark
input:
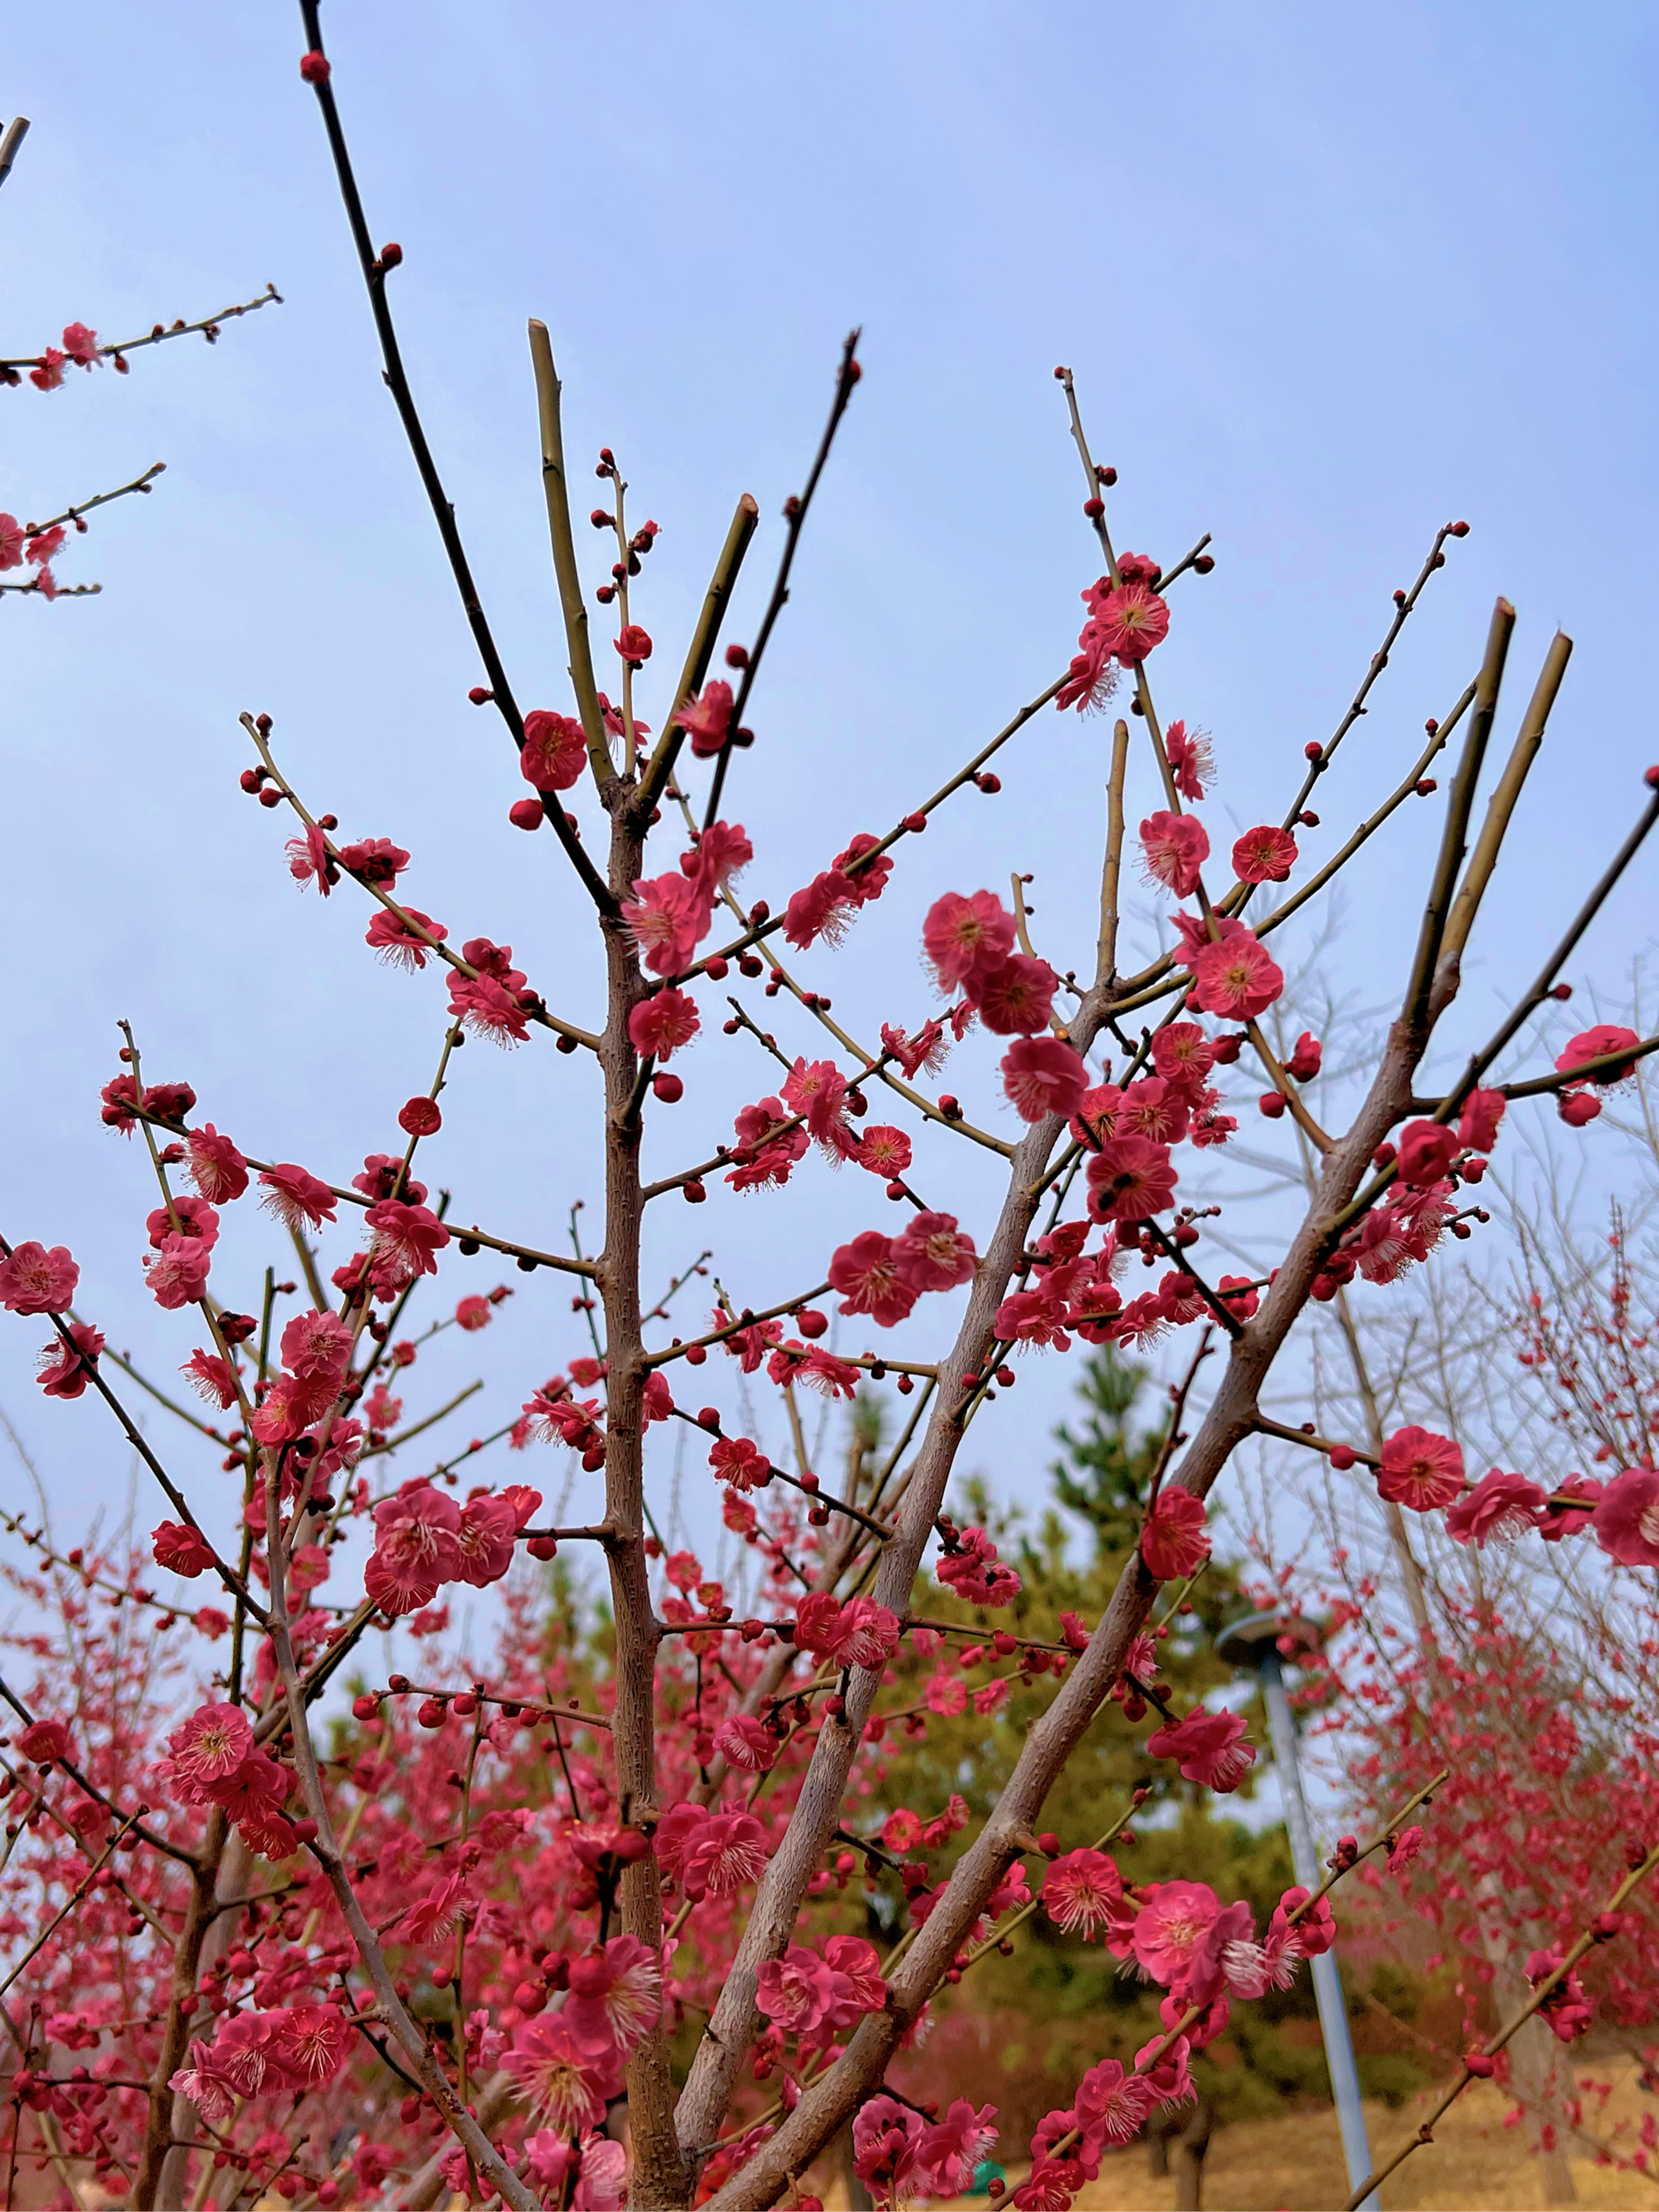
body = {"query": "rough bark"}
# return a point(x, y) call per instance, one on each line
point(661, 2174)
point(181, 2011)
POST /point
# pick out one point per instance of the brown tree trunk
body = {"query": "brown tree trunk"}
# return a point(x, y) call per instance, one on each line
point(1191, 2147)
point(662, 2176)
point(181, 2011)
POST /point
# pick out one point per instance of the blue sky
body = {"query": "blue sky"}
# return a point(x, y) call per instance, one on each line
point(1327, 278)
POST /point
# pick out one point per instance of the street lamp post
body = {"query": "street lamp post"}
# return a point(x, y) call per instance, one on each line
point(1254, 1642)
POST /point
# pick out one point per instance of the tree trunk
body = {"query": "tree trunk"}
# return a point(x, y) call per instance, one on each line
point(1191, 2147)
point(858, 2195)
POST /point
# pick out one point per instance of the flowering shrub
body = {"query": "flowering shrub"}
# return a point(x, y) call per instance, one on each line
point(508, 1902)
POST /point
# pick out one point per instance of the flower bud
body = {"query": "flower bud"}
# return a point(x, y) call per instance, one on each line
point(314, 68)
point(667, 1088)
point(526, 814)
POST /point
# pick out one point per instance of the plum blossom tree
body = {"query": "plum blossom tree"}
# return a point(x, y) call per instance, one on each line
point(510, 1890)
point(1525, 1666)
point(36, 546)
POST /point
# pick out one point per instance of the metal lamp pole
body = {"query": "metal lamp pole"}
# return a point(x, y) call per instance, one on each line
point(1254, 1642)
